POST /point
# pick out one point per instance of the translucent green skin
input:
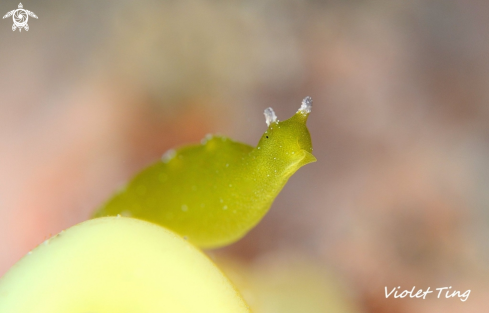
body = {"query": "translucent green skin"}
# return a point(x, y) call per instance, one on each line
point(214, 193)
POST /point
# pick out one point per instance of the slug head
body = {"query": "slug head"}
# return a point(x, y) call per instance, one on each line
point(286, 146)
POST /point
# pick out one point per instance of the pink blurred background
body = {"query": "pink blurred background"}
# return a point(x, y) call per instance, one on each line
point(96, 90)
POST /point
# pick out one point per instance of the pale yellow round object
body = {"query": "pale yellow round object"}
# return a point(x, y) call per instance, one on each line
point(117, 265)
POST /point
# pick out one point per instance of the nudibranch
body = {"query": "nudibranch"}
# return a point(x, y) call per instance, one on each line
point(212, 194)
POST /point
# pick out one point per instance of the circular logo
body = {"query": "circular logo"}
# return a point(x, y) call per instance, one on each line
point(20, 18)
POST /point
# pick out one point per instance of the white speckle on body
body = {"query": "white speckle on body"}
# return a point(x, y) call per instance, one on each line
point(168, 155)
point(184, 208)
point(206, 139)
point(126, 213)
point(121, 187)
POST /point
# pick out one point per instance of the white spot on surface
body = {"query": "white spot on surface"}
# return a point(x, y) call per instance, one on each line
point(184, 208)
point(121, 187)
point(306, 105)
point(126, 213)
point(225, 207)
point(206, 139)
point(270, 116)
point(168, 155)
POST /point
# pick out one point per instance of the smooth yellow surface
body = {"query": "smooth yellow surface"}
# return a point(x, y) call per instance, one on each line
point(117, 265)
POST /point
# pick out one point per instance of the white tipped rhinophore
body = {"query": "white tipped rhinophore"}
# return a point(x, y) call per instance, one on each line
point(306, 105)
point(270, 116)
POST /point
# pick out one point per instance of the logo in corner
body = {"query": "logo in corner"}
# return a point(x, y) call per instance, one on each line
point(20, 17)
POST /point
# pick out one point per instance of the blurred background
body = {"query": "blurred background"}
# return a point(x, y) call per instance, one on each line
point(96, 90)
